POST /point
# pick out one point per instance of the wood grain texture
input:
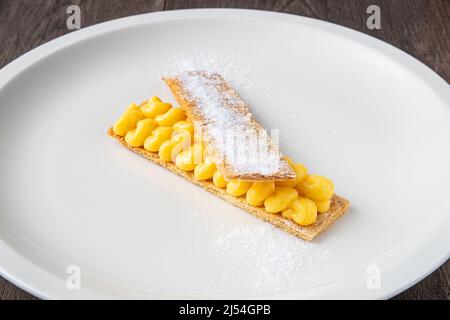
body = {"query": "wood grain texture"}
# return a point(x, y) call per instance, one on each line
point(418, 27)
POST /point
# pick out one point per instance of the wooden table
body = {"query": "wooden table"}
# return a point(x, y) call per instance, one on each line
point(419, 27)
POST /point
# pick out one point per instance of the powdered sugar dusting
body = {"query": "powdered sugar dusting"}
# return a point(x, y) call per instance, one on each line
point(243, 149)
point(239, 142)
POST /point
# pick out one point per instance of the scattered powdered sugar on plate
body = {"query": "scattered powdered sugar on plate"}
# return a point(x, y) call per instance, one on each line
point(230, 64)
point(256, 257)
point(271, 257)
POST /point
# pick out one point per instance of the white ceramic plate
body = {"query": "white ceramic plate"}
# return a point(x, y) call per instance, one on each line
point(349, 106)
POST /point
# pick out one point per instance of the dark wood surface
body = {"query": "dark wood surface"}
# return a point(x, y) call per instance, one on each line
point(418, 27)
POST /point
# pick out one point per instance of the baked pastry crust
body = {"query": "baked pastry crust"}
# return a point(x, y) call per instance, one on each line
point(214, 106)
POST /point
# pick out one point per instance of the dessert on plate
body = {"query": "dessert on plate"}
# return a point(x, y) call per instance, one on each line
point(214, 141)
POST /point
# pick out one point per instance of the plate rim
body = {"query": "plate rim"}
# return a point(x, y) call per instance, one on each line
point(36, 280)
